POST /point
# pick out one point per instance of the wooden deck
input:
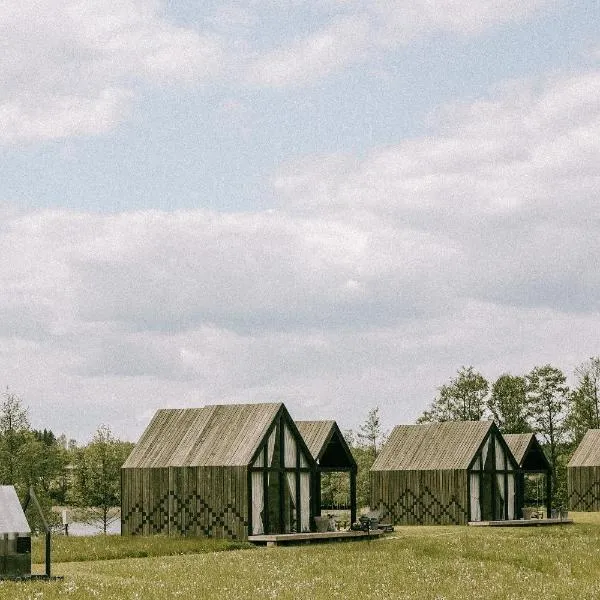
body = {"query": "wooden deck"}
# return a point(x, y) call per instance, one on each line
point(307, 538)
point(521, 523)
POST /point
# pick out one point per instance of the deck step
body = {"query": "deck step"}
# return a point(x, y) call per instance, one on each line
point(290, 538)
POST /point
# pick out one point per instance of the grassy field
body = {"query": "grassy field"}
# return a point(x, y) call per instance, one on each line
point(414, 562)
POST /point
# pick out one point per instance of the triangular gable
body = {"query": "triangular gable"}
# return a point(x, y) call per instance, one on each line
point(306, 457)
point(527, 451)
point(495, 433)
point(327, 444)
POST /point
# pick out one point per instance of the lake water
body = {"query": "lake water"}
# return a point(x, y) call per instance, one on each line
point(81, 529)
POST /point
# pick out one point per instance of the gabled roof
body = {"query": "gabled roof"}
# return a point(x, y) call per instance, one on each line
point(519, 444)
point(326, 443)
point(432, 446)
point(316, 434)
point(527, 451)
point(588, 451)
point(216, 435)
point(12, 517)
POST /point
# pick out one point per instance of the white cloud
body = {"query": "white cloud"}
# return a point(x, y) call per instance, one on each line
point(327, 50)
point(402, 21)
point(374, 280)
point(355, 30)
point(75, 67)
point(511, 186)
point(70, 68)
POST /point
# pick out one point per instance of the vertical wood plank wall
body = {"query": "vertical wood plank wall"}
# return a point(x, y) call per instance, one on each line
point(421, 497)
point(583, 485)
point(203, 501)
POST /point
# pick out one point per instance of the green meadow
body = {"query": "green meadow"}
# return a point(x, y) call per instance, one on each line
point(413, 562)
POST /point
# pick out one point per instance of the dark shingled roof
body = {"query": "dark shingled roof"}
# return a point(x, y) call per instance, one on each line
point(588, 451)
point(217, 435)
point(432, 446)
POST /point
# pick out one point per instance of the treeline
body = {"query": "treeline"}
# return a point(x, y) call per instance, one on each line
point(88, 477)
point(61, 472)
point(538, 401)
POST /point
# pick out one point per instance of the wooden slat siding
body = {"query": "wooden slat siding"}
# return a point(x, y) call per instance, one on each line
point(239, 501)
point(203, 516)
point(211, 492)
point(421, 497)
point(175, 492)
point(146, 499)
point(244, 499)
point(128, 484)
point(432, 446)
point(587, 453)
point(144, 475)
point(583, 487)
point(221, 500)
point(195, 481)
point(583, 474)
point(164, 486)
point(136, 518)
point(124, 502)
point(136, 493)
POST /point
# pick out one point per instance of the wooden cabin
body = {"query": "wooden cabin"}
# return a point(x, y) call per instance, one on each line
point(445, 473)
point(226, 471)
point(583, 474)
point(532, 461)
point(15, 536)
point(331, 453)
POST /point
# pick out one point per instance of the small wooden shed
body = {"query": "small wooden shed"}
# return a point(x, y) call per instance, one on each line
point(445, 473)
point(583, 474)
point(532, 460)
point(15, 536)
point(331, 453)
point(226, 471)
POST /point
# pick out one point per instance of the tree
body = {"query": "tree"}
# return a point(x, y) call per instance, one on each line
point(46, 465)
point(13, 426)
point(28, 458)
point(369, 432)
point(508, 404)
point(547, 397)
point(13, 415)
point(463, 399)
point(364, 461)
point(98, 474)
point(584, 400)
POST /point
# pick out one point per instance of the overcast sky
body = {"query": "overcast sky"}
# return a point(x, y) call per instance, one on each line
point(331, 203)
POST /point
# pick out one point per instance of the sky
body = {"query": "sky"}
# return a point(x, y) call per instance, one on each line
point(334, 204)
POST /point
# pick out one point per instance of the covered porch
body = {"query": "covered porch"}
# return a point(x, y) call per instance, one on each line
point(534, 480)
point(332, 454)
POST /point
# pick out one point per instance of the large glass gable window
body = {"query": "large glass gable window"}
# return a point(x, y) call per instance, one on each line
point(281, 484)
